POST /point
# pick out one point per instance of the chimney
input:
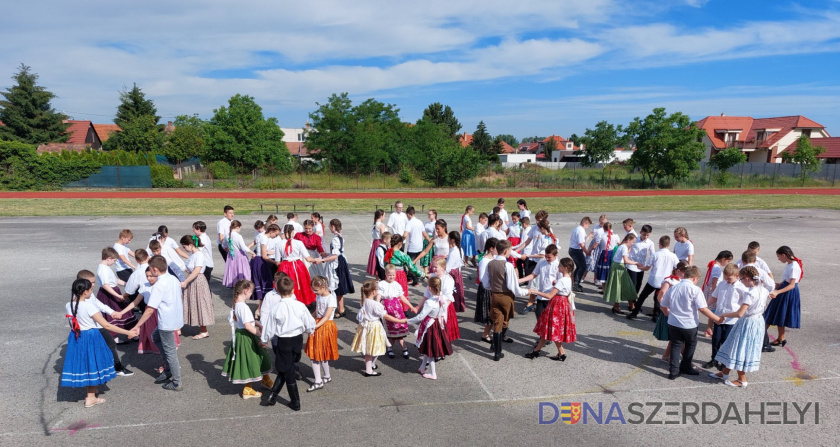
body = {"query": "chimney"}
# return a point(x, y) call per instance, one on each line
point(722, 114)
point(307, 124)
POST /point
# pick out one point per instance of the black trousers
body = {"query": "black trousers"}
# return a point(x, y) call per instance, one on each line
point(207, 272)
point(643, 296)
point(408, 274)
point(637, 278)
point(680, 337)
point(286, 353)
point(224, 252)
point(719, 334)
point(109, 340)
point(124, 274)
point(539, 306)
point(580, 265)
point(529, 267)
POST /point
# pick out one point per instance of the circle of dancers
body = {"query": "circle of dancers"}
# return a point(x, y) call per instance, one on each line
point(147, 295)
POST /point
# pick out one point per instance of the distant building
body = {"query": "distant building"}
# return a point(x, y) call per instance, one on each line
point(81, 136)
point(295, 138)
point(761, 139)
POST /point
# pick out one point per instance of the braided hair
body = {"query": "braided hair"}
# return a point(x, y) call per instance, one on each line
point(80, 286)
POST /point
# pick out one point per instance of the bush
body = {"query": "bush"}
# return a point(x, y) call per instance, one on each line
point(22, 168)
point(405, 175)
point(220, 170)
point(164, 177)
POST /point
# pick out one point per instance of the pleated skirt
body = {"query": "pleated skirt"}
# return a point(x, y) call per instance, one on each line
point(619, 286)
point(370, 339)
point(300, 276)
point(426, 260)
point(482, 305)
point(87, 361)
point(592, 259)
point(345, 281)
point(602, 268)
point(322, 345)
point(557, 322)
point(198, 303)
point(660, 331)
point(458, 294)
point(742, 349)
point(784, 309)
point(146, 345)
point(453, 332)
point(247, 360)
point(468, 243)
point(435, 343)
point(371, 264)
point(262, 275)
point(127, 321)
point(237, 267)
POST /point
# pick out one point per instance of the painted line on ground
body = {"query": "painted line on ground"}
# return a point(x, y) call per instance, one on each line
point(478, 379)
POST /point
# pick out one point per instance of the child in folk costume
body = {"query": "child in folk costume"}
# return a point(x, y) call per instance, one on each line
point(397, 258)
point(381, 250)
point(760, 264)
point(87, 361)
point(453, 266)
point(293, 253)
point(480, 228)
point(742, 349)
point(446, 301)
point(606, 243)
point(525, 229)
point(200, 230)
point(170, 250)
point(619, 286)
point(660, 331)
point(594, 252)
point(438, 247)
point(557, 322)
point(284, 327)
point(684, 248)
point(376, 238)
point(322, 345)
point(468, 235)
point(318, 225)
point(514, 229)
point(714, 274)
point(146, 345)
point(784, 310)
point(641, 252)
point(724, 299)
point(432, 341)
point(394, 301)
point(338, 273)
point(482, 299)
point(661, 264)
point(124, 266)
point(247, 361)
point(503, 290)
point(114, 315)
point(263, 265)
point(237, 265)
point(370, 339)
point(428, 238)
point(109, 292)
point(523, 208)
point(539, 242)
point(544, 277)
point(198, 301)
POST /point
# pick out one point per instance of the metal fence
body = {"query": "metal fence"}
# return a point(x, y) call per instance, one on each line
point(117, 177)
point(827, 172)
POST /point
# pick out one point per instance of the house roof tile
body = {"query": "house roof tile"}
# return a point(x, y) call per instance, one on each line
point(105, 130)
point(830, 144)
point(77, 131)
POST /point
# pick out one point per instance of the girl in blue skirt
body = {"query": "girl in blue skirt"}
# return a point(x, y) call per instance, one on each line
point(88, 361)
point(468, 236)
point(783, 310)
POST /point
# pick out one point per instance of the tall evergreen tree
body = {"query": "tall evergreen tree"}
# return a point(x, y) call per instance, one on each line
point(440, 114)
point(482, 141)
point(27, 114)
point(133, 104)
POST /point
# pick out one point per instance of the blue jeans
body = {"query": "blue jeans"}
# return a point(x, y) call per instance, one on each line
point(165, 342)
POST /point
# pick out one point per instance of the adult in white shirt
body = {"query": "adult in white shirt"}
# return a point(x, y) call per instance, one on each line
point(683, 302)
point(200, 230)
point(577, 251)
point(292, 220)
point(398, 220)
point(223, 231)
point(167, 300)
point(414, 231)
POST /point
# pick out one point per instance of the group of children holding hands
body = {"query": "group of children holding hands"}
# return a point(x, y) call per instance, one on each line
point(301, 286)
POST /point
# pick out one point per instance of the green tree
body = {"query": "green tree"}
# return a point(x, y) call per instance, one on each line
point(534, 139)
point(440, 114)
point(482, 142)
point(141, 133)
point(240, 135)
point(133, 104)
point(666, 145)
point(549, 148)
point(600, 143)
point(726, 159)
point(26, 112)
point(186, 141)
point(509, 139)
point(444, 161)
point(805, 155)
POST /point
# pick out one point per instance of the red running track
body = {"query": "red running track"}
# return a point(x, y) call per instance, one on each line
point(402, 195)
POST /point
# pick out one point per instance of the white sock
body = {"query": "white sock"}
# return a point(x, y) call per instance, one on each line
point(316, 370)
point(369, 366)
point(373, 362)
point(431, 369)
point(326, 366)
point(424, 362)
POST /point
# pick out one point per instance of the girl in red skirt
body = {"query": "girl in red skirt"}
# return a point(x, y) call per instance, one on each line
point(446, 301)
point(292, 255)
point(432, 341)
point(557, 322)
point(453, 266)
point(376, 239)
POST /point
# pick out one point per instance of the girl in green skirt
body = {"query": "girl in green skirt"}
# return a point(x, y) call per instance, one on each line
point(619, 286)
point(247, 361)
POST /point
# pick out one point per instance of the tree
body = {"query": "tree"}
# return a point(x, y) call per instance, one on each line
point(498, 148)
point(726, 159)
point(141, 133)
point(444, 161)
point(600, 143)
point(27, 114)
point(509, 139)
point(805, 155)
point(133, 104)
point(666, 145)
point(482, 142)
point(550, 147)
point(532, 139)
point(440, 114)
point(186, 141)
point(240, 135)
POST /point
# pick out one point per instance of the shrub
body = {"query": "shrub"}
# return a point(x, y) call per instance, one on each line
point(163, 177)
point(405, 175)
point(220, 170)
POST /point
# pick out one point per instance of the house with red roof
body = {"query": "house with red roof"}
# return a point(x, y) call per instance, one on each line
point(81, 136)
point(831, 154)
point(761, 139)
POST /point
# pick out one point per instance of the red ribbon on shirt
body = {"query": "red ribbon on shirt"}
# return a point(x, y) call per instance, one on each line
point(801, 270)
point(74, 324)
point(388, 255)
point(288, 248)
point(708, 274)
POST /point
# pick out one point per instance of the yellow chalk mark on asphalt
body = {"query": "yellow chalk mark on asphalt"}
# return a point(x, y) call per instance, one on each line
point(795, 380)
point(631, 333)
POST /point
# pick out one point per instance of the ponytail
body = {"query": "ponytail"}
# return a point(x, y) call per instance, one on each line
point(79, 287)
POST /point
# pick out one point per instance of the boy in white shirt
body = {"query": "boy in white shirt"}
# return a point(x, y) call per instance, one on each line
point(661, 264)
point(398, 220)
point(124, 266)
point(284, 326)
point(223, 230)
point(725, 300)
point(545, 274)
point(640, 252)
point(414, 231)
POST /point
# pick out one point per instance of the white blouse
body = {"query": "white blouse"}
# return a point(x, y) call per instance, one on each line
point(291, 250)
point(792, 271)
point(196, 260)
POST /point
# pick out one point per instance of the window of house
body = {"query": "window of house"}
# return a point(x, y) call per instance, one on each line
point(806, 132)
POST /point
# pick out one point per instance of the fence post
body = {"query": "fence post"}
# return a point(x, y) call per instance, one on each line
point(329, 176)
point(357, 176)
point(834, 176)
point(119, 180)
point(775, 173)
point(741, 183)
point(300, 172)
point(574, 175)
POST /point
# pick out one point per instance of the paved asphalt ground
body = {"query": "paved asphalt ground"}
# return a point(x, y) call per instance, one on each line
point(474, 401)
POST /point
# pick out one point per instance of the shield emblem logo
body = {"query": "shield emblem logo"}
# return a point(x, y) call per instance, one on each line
point(570, 412)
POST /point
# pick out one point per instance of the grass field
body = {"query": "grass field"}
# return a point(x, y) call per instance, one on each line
point(117, 207)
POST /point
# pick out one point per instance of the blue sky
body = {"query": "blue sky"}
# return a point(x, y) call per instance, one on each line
point(525, 68)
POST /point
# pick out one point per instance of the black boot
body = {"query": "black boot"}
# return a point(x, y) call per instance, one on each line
point(294, 396)
point(493, 340)
point(275, 390)
point(497, 343)
point(505, 337)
